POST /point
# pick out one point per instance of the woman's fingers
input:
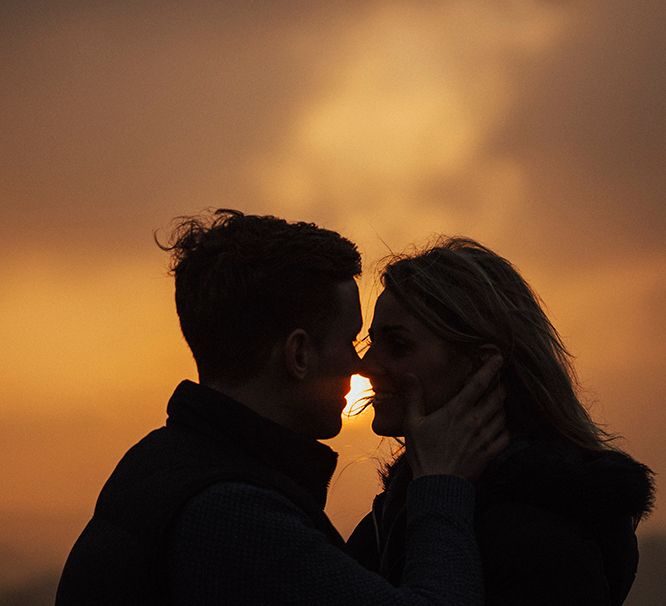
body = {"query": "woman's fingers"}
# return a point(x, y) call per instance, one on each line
point(492, 435)
point(488, 406)
point(462, 436)
point(477, 385)
point(413, 395)
point(415, 411)
point(497, 444)
point(490, 429)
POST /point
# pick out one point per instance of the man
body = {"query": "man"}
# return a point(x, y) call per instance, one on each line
point(224, 505)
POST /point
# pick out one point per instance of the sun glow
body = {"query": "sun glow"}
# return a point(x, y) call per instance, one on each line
point(360, 389)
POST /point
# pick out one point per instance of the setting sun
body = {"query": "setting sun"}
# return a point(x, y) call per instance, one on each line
point(360, 389)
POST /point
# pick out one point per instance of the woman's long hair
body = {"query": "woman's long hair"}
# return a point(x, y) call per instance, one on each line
point(471, 297)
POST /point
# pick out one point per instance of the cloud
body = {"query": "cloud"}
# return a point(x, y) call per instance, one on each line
point(587, 128)
point(119, 117)
point(536, 127)
point(535, 117)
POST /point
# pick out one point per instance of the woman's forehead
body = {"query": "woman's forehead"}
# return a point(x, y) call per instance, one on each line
point(391, 314)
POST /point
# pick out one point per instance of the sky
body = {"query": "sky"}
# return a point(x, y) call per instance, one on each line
point(536, 127)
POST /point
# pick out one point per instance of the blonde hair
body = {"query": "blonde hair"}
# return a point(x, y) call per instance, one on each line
point(470, 296)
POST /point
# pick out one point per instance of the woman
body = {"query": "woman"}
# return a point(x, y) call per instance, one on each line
point(557, 510)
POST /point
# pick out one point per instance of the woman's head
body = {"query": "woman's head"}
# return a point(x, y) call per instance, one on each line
point(442, 312)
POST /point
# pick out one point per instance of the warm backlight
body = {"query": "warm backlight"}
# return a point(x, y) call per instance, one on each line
point(360, 389)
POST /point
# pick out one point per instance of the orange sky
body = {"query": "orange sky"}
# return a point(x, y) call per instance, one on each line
point(535, 127)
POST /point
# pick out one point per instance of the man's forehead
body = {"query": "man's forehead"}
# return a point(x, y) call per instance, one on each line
point(349, 303)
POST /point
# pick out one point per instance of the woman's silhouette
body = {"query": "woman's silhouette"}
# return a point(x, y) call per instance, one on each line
point(556, 512)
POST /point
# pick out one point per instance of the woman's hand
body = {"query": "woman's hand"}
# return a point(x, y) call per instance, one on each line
point(464, 435)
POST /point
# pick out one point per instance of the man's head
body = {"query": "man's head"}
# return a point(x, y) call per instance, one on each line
point(251, 291)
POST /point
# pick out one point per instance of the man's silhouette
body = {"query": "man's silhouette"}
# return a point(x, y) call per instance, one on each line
point(224, 504)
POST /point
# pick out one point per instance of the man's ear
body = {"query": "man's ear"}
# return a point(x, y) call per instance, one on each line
point(298, 352)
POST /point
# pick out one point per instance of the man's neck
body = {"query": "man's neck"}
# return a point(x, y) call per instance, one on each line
point(259, 397)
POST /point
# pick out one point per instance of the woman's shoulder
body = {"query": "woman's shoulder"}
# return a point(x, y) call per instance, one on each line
point(567, 480)
point(517, 529)
point(557, 513)
point(532, 555)
point(530, 552)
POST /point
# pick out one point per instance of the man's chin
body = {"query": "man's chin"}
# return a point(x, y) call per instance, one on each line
point(386, 430)
point(325, 429)
point(331, 431)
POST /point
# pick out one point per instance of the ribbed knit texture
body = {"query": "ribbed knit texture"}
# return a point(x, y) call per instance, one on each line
point(240, 544)
point(223, 506)
point(442, 503)
point(449, 495)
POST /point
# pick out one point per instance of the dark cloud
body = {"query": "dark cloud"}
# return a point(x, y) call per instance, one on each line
point(586, 132)
point(588, 127)
point(119, 116)
point(116, 116)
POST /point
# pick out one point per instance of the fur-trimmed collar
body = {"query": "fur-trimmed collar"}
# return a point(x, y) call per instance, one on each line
point(556, 475)
point(563, 477)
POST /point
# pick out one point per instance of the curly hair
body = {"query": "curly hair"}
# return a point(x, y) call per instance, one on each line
point(245, 281)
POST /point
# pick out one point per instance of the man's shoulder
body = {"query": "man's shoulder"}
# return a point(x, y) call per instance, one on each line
point(254, 510)
point(230, 517)
point(161, 473)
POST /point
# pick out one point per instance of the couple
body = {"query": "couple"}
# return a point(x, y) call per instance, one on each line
point(506, 492)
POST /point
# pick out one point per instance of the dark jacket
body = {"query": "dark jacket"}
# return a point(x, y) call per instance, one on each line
point(223, 506)
point(555, 525)
point(120, 557)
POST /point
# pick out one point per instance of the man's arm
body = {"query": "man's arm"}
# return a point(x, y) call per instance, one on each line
point(534, 556)
point(240, 544)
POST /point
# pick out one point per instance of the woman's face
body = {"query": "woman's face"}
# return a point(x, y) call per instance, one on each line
point(402, 344)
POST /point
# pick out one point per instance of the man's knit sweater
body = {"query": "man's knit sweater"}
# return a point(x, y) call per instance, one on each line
point(223, 506)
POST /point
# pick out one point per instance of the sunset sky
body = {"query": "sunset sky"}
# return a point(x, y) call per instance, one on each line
point(536, 127)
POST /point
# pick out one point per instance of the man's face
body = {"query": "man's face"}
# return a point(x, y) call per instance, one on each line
point(335, 361)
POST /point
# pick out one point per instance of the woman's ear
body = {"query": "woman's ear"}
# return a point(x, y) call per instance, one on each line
point(298, 353)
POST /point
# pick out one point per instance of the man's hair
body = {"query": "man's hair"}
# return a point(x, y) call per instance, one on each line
point(243, 282)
